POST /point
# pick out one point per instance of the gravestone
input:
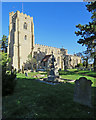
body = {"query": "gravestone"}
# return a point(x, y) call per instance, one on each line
point(81, 68)
point(85, 69)
point(92, 69)
point(26, 74)
point(82, 91)
point(88, 69)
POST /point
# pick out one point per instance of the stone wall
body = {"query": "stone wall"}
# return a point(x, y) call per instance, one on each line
point(48, 50)
point(72, 60)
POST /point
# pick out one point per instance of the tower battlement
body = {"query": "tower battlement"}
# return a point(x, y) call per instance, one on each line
point(20, 14)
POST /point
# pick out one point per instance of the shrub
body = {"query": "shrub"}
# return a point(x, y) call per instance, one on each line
point(8, 79)
point(79, 65)
point(8, 83)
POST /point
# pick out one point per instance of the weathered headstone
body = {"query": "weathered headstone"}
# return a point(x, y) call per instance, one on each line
point(92, 69)
point(89, 69)
point(26, 74)
point(85, 69)
point(82, 92)
point(81, 68)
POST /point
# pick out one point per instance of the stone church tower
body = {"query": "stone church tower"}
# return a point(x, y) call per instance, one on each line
point(20, 39)
point(21, 43)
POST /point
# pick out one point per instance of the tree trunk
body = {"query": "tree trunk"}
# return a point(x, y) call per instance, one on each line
point(95, 62)
point(87, 62)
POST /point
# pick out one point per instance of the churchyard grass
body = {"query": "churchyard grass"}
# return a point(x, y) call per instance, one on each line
point(73, 74)
point(33, 99)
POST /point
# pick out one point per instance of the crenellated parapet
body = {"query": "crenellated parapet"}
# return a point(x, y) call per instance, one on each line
point(48, 49)
point(45, 46)
point(23, 15)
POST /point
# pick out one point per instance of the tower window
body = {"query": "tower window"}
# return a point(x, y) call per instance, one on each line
point(14, 26)
point(25, 38)
point(25, 25)
point(46, 51)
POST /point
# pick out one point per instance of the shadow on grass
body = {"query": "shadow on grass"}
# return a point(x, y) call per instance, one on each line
point(33, 99)
point(43, 73)
point(77, 72)
point(68, 73)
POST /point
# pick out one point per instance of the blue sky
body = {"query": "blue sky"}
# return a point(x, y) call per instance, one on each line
point(54, 22)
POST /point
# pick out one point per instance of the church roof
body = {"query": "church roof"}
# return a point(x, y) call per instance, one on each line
point(45, 59)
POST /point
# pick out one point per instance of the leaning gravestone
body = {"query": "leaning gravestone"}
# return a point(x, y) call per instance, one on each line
point(82, 92)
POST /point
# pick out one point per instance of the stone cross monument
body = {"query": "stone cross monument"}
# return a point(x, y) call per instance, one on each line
point(52, 76)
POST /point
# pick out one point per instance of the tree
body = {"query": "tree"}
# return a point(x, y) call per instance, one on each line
point(8, 78)
point(32, 61)
point(4, 61)
point(4, 43)
point(87, 32)
point(79, 65)
point(86, 57)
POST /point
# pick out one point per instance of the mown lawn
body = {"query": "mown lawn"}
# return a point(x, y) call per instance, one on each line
point(33, 99)
point(74, 74)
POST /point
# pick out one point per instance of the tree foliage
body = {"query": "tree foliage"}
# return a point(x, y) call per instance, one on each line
point(87, 32)
point(79, 65)
point(32, 61)
point(4, 43)
point(85, 56)
point(8, 78)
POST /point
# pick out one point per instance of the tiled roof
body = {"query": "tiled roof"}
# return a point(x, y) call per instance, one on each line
point(45, 59)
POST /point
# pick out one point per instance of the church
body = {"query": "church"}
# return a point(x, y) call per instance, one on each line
point(21, 44)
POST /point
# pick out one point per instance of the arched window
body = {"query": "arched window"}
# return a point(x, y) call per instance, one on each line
point(25, 38)
point(25, 25)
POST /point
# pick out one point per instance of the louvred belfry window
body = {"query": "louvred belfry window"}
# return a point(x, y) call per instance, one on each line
point(25, 37)
point(25, 25)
